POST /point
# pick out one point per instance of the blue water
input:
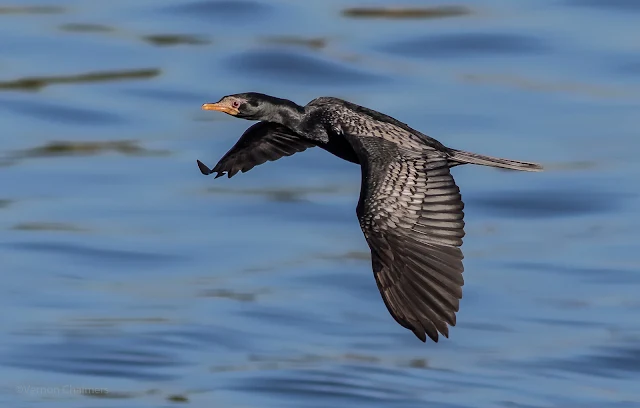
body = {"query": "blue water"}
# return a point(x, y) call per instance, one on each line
point(130, 280)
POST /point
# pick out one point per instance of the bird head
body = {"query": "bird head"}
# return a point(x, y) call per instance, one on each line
point(252, 106)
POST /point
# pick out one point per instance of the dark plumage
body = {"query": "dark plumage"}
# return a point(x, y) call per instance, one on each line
point(410, 208)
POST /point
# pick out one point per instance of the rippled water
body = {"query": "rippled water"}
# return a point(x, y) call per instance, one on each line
point(131, 280)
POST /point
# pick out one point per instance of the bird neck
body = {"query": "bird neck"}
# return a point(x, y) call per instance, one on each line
point(287, 113)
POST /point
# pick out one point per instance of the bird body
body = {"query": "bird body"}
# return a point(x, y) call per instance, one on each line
point(410, 209)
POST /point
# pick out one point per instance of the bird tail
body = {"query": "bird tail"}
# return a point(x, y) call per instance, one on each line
point(462, 157)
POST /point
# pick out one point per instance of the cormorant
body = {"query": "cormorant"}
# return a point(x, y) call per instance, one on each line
point(410, 208)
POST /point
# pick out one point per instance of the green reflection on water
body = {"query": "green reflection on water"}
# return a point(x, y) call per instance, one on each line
point(86, 28)
point(406, 13)
point(62, 148)
point(39, 82)
point(313, 43)
point(164, 40)
point(47, 226)
point(177, 398)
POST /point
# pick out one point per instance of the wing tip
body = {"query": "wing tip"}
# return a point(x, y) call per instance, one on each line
point(203, 168)
point(422, 335)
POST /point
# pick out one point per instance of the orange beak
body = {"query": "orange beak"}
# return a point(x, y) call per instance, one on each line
point(221, 107)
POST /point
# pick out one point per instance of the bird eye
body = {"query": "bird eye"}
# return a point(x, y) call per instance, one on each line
point(235, 104)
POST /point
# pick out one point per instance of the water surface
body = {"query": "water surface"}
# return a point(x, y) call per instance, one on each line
point(129, 279)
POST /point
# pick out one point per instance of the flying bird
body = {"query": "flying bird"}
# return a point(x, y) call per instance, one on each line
point(410, 208)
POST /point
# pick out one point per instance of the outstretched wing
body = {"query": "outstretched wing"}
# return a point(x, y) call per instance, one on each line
point(262, 142)
point(410, 212)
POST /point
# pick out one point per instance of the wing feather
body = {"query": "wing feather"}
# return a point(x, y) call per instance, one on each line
point(262, 142)
point(411, 214)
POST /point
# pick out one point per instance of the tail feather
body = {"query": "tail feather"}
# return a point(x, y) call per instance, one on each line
point(462, 157)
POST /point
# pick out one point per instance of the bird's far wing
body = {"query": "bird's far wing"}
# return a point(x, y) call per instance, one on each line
point(410, 212)
point(262, 142)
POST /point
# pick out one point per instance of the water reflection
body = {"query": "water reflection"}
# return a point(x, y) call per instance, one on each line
point(31, 10)
point(86, 28)
point(550, 203)
point(37, 83)
point(467, 45)
point(111, 356)
point(79, 253)
point(614, 361)
point(165, 40)
point(616, 5)
point(78, 148)
point(224, 10)
point(312, 43)
point(289, 194)
point(299, 68)
point(593, 90)
point(48, 226)
point(406, 13)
